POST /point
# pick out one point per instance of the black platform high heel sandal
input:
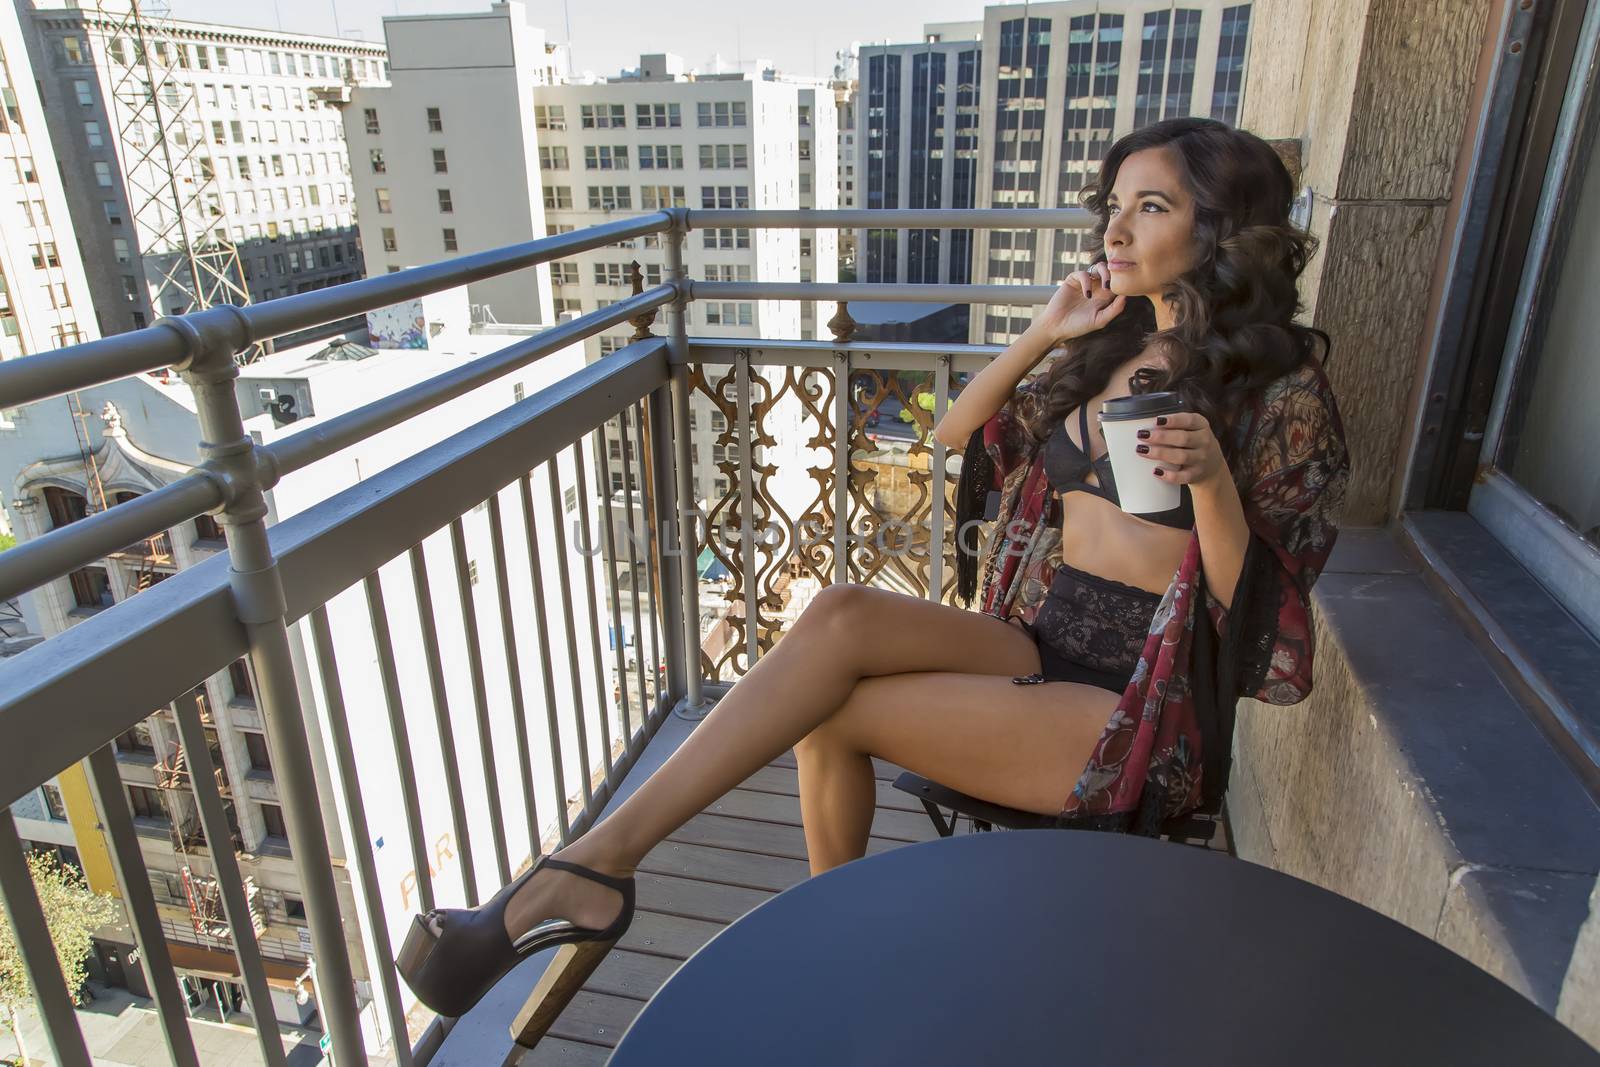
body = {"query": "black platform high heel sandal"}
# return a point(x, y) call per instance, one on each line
point(453, 956)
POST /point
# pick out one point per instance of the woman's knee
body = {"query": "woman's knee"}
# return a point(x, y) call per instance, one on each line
point(840, 610)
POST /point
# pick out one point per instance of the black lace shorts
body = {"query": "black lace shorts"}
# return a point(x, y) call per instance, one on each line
point(1090, 629)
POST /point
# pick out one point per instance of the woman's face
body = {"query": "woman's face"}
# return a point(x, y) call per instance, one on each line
point(1149, 239)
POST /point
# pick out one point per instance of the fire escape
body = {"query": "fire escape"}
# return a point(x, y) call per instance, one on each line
point(204, 895)
point(177, 210)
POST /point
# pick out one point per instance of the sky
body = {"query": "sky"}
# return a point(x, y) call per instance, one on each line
point(608, 35)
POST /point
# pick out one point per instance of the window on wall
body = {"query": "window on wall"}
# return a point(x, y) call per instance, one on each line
point(91, 588)
point(440, 164)
point(724, 196)
point(724, 238)
point(610, 198)
point(605, 157)
point(722, 113)
point(83, 92)
point(557, 197)
point(550, 116)
point(435, 122)
point(603, 116)
point(564, 273)
point(1501, 427)
point(378, 165)
point(445, 203)
point(661, 157)
point(450, 240)
point(660, 197)
point(145, 803)
point(54, 802)
point(255, 746)
point(729, 314)
point(384, 205)
point(239, 677)
point(657, 116)
point(390, 244)
point(724, 156)
point(272, 823)
point(552, 157)
point(370, 117)
point(1229, 80)
point(136, 741)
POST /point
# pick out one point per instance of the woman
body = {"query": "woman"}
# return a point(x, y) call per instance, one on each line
point(1124, 678)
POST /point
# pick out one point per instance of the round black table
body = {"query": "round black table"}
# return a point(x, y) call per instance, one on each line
point(1049, 946)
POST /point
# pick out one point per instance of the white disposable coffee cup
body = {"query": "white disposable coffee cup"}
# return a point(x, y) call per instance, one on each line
point(1139, 491)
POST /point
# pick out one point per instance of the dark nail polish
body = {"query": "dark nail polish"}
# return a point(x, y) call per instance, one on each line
point(1144, 435)
point(1161, 420)
point(1160, 473)
point(1143, 450)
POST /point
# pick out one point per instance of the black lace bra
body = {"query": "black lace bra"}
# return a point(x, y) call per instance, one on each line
point(1066, 465)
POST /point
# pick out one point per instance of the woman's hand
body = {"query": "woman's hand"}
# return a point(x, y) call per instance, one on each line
point(1185, 450)
point(1082, 304)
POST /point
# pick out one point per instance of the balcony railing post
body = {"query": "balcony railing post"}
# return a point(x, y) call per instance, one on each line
point(687, 542)
point(244, 473)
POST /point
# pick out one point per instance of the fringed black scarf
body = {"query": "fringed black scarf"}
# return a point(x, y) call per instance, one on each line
point(973, 489)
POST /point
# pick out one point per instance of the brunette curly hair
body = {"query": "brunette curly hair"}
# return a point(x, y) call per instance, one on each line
point(1234, 310)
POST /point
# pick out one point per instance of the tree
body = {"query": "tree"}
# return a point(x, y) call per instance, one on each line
point(72, 913)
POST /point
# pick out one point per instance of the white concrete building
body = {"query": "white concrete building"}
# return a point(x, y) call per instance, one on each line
point(45, 301)
point(147, 437)
point(481, 139)
point(818, 153)
point(253, 153)
point(445, 158)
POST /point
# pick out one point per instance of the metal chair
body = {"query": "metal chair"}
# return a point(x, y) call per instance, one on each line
point(1202, 829)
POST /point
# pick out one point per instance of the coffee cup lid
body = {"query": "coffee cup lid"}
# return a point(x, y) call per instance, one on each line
point(1142, 406)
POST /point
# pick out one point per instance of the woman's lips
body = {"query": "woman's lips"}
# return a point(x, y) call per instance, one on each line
point(1120, 264)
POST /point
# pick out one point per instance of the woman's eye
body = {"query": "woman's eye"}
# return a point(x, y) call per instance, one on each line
point(1152, 203)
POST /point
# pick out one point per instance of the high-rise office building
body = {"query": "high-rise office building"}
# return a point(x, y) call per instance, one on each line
point(201, 161)
point(917, 125)
point(1060, 84)
point(44, 296)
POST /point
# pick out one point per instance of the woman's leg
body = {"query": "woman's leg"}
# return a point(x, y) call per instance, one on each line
point(1018, 746)
point(848, 633)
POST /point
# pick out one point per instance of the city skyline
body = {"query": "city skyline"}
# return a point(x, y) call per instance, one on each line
point(607, 41)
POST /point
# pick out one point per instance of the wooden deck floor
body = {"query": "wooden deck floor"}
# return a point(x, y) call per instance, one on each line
point(737, 853)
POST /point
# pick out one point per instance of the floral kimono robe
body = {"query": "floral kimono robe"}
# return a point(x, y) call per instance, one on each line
point(1166, 749)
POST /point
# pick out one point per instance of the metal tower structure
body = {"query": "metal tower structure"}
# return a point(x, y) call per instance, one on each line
point(176, 207)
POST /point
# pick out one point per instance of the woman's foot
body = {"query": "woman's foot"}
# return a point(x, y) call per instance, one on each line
point(556, 894)
point(451, 957)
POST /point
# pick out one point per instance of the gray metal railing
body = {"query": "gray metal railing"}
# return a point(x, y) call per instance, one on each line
point(63, 700)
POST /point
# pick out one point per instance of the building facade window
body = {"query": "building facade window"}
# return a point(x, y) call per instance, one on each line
point(435, 121)
point(605, 157)
point(370, 118)
point(722, 113)
point(659, 197)
point(384, 205)
point(390, 244)
point(603, 116)
point(610, 198)
point(446, 204)
point(440, 164)
point(450, 240)
point(657, 116)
